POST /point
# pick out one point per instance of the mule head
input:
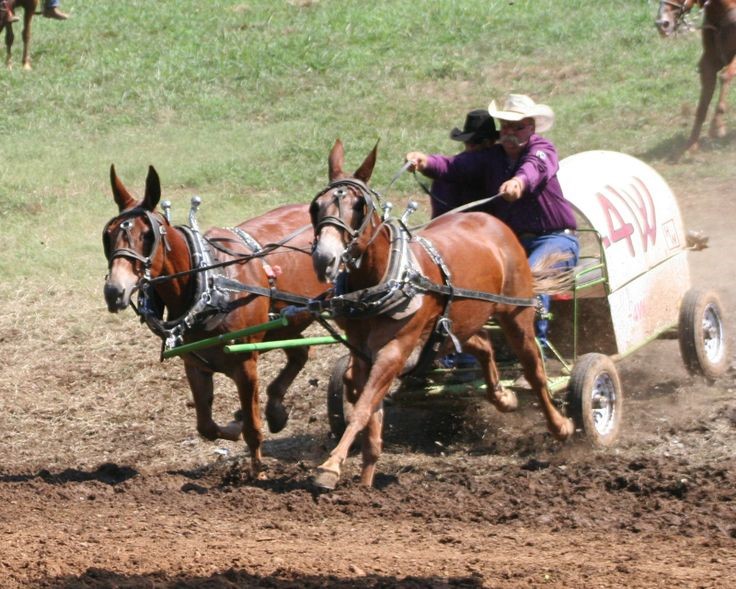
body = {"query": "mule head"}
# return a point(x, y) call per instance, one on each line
point(340, 214)
point(670, 15)
point(131, 240)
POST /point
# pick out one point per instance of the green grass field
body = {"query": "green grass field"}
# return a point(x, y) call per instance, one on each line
point(240, 102)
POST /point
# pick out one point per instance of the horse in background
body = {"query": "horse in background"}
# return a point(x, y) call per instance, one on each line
point(472, 251)
point(29, 9)
point(719, 55)
point(140, 244)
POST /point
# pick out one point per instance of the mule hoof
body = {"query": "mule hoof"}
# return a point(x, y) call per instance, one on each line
point(27, 67)
point(566, 431)
point(505, 400)
point(326, 479)
point(231, 431)
point(277, 417)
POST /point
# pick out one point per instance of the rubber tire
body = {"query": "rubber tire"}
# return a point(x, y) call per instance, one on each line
point(336, 403)
point(693, 309)
point(586, 372)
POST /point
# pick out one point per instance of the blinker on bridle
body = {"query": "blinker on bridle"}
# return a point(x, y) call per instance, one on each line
point(159, 234)
point(340, 190)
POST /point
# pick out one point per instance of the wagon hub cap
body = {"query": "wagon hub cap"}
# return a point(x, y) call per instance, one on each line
point(713, 334)
point(604, 404)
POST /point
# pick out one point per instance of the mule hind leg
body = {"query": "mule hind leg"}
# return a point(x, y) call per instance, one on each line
point(518, 327)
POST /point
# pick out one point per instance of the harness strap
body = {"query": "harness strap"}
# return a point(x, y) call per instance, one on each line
point(423, 284)
point(235, 286)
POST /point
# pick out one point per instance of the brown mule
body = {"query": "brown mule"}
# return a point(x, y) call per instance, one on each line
point(480, 253)
point(140, 243)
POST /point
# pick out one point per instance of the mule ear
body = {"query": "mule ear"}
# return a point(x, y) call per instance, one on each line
point(153, 189)
point(121, 195)
point(366, 168)
point(335, 161)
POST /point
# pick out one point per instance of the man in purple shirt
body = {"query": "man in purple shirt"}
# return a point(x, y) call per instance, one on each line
point(522, 170)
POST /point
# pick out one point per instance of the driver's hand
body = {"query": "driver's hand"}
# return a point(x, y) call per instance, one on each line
point(512, 189)
point(418, 161)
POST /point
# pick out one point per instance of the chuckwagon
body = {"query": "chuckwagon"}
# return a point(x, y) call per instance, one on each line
point(632, 285)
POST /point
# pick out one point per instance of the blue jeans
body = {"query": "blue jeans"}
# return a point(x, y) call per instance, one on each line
point(540, 246)
point(51, 3)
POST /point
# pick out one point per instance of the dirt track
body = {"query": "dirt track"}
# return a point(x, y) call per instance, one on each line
point(104, 483)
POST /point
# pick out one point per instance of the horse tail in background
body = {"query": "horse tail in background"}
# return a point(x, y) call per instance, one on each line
point(549, 278)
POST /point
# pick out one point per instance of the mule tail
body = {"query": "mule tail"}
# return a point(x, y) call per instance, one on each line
point(549, 278)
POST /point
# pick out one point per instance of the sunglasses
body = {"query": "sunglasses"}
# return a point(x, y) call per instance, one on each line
point(516, 127)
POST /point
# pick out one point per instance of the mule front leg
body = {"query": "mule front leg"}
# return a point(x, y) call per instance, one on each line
point(371, 391)
point(372, 447)
point(246, 379)
point(202, 387)
point(276, 414)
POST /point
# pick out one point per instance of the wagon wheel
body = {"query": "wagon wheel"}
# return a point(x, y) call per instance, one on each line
point(595, 399)
point(337, 407)
point(702, 336)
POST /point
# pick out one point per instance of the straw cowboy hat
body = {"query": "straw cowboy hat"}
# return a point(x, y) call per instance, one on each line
point(520, 106)
point(479, 125)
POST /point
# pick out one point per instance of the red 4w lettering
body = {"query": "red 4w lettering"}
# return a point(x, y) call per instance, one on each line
point(628, 212)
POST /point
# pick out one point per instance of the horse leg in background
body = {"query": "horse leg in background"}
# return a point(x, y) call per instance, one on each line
point(202, 386)
point(28, 15)
point(371, 383)
point(518, 327)
point(479, 345)
point(718, 125)
point(276, 414)
point(708, 77)
point(9, 38)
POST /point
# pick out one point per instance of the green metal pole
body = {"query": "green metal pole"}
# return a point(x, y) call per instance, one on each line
point(219, 339)
point(287, 343)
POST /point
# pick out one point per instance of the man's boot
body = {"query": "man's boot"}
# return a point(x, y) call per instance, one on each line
point(54, 13)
